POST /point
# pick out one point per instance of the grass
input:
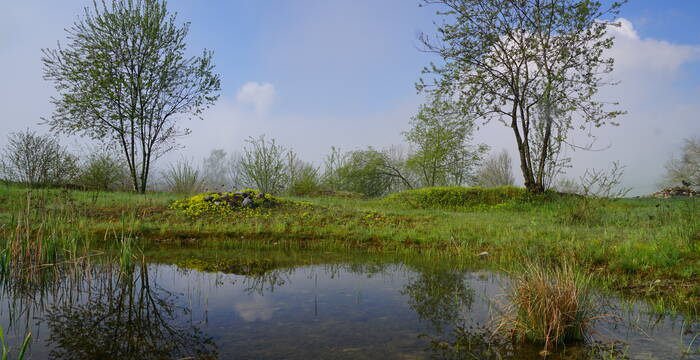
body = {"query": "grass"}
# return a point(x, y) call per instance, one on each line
point(549, 306)
point(22, 349)
point(640, 247)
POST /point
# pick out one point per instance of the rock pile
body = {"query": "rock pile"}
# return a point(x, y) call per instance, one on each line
point(239, 199)
point(676, 192)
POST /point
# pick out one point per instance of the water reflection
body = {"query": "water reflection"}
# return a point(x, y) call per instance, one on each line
point(123, 315)
point(348, 310)
point(439, 296)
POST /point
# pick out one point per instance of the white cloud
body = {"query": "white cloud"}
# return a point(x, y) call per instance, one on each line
point(625, 29)
point(633, 54)
point(260, 96)
point(257, 308)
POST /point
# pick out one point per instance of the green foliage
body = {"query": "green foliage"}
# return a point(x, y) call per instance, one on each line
point(103, 171)
point(263, 165)
point(502, 60)
point(125, 75)
point(369, 172)
point(231, 203)
point(441, 133)
point(22, 348)
point(582, 210)
point(305, 181)
point(456, 197)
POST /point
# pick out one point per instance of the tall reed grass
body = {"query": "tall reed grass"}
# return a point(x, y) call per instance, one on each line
point(22, 349)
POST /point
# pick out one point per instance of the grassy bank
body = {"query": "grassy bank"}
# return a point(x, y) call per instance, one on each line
point(646, 247)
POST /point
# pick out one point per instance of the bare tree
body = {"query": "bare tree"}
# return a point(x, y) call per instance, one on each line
point(604, 183)
point(567, 186)
point(333, 162)
point(263, 165)
point(685, 170)
point(496, 170)
point(124, 77)
point(215, 171)
point(37, 160)
point(234, 172)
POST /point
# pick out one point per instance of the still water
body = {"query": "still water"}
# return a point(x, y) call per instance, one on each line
point(178, 305)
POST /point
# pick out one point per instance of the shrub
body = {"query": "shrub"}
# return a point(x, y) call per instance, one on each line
point(305, 181)
point(548, 306)
point(456, 197)
point(102, 170)
point(37, 160)
point(183, 178)
point(369, 172)
point(263, 165)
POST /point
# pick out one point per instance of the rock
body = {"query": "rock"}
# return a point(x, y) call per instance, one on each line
point(247, 202)
point(261, 196)
point(217, 202)
point(224, 197)
point(676, 192)
point(208, 198)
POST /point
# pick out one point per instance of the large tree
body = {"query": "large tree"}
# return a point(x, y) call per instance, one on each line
point(124, 77)
point(535, 65)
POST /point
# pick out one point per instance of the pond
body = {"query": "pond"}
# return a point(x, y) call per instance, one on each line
point(215, 304)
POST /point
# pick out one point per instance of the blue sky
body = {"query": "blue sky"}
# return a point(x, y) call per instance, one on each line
point(316, 74)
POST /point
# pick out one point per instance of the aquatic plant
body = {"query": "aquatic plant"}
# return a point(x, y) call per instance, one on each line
point(22, 349)
point(548, 306)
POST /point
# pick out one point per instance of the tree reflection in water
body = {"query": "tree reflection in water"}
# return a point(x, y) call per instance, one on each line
point(439, 296)
point(124, 315)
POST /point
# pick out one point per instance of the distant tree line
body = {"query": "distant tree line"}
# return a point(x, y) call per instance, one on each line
point(123, 79)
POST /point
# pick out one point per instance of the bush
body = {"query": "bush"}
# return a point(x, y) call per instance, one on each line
point(305, 181)
point(103, 171)
point(263, 165)
point(37, 160)
point(456, 197)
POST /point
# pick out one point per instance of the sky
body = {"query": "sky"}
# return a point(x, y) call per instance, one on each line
point(314, 74)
